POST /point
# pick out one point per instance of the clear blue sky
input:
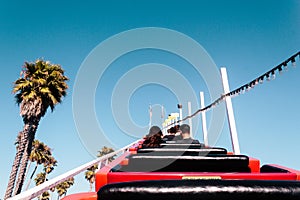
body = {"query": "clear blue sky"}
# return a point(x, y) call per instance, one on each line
point(248, 37)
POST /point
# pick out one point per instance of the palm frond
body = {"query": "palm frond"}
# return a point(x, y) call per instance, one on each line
point(43, 81)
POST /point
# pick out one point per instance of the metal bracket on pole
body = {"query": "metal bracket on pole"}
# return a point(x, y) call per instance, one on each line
point(230, 114)
point(203, 115)
point(190, 119)
point(179, 106)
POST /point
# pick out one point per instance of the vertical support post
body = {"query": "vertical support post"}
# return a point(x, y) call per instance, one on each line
point(165, 130)
point(162, 115)
point(203, 115)
point(150, 116)
point(190, 119)
point(179, 106)
point(230, 114)
point(168, 124)
point(164, 127)
point(176, 120)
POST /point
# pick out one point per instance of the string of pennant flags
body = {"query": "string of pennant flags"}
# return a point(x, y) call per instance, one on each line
point(269, 75)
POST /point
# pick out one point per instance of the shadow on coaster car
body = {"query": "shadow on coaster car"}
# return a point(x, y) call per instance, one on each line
point(201, 189)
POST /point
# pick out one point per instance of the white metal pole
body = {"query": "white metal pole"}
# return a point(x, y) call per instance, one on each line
point(150, 116)
point(164, 126)
point(190, 119)
point(230, 114)
point(162, 114)
point(165, 130)
point(203, 115)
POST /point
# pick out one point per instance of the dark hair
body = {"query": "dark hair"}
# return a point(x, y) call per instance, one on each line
point(153, 139)
point(172, 130)
point(177, 127)
point(184, 128)
point(154, 130)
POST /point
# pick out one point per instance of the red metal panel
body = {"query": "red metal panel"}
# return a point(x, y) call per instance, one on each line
point(82, 196)
point(114, 177)
point(254, 165)
point(101, 175)
point(297, 172)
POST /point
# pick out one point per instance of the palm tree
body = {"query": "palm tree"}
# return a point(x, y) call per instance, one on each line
point(44, 196)
point(50, 164)
point(63, 187)
point(41, 154)
point(41, 85)
point(14, 171)
point(42, 177)
point(106, 150)
point(90, 173)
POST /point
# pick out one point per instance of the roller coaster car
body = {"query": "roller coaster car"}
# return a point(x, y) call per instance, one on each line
point(191, 172)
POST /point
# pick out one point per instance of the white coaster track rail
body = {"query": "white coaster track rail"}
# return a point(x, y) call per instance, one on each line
point(38, 190)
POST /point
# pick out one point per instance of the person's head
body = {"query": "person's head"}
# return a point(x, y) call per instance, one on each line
point(177, 128)
point(154, 137)
point(153, 141)
point(154, 130)
point(172, 131)
point(185, 130)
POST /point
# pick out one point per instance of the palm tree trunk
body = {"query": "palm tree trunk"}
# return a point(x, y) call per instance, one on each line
point(28, 147)
point(92, 182)
point(16, 164)
point(22, 168)
point(32, 174)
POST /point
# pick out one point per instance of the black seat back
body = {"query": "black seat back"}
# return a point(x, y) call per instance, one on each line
point(182, 146)
point(212, 163)
point(181, 152)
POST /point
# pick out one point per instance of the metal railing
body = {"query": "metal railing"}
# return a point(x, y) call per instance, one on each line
point(38, 190)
